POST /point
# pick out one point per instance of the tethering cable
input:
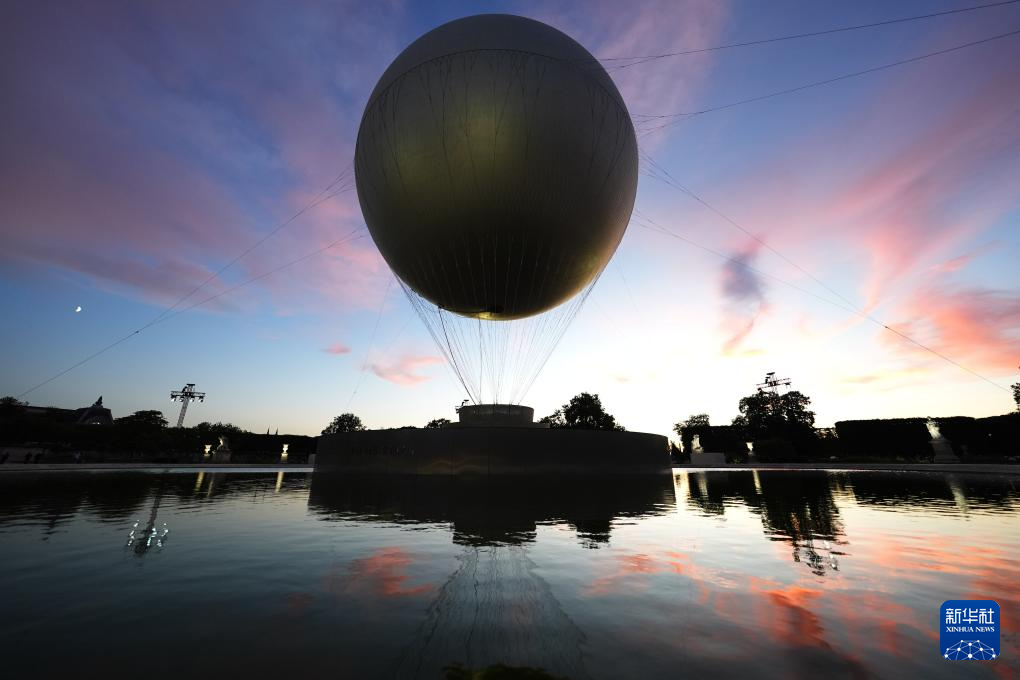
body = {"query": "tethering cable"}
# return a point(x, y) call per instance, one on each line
point(683, 115)
point(339, 185)
point(764, 41)
point(371, 341)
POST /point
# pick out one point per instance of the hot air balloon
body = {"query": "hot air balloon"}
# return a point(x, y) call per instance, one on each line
point(496, 167)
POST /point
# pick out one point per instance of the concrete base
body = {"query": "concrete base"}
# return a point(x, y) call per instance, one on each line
point(220, 457)
point(707, 459)
point(494, 451)
point(496, 415)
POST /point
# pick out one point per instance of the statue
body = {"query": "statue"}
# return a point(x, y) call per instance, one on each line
point(704, 458)
point(942, 447)
point(96, 414)
point(222, 452)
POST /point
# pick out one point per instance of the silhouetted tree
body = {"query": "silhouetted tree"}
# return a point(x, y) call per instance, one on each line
point(216, 429)
point(697, 420)
point(11, 406)
point(1016, 395)
point(144, 420)
point(554, 419)
point(14, 427)
point(694, 422)
point(345, 422)
point(585, 412)
point(767, 414)
point(437, 424)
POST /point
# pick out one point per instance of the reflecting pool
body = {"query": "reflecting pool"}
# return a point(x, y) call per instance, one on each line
point(765, 574)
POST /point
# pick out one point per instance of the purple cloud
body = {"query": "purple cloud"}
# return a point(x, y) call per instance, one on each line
point(743, 298)
point(150, 144)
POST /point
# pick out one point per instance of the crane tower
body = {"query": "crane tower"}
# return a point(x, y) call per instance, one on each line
point(186, 395)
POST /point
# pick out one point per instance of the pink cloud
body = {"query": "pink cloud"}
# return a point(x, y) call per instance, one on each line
point(402, 371)
point(978, 327)
point(385, 572)
point(889, 195)
point(953, 264)
point(118, 164)
point(909, 206)
point(337, 349)
point(863, 379)
point(161, 281)
point(631, 571)
point(113, 224)
point(350, 275)
point(920, 163)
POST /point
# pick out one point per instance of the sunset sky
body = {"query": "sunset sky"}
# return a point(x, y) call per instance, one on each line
point(143, 146)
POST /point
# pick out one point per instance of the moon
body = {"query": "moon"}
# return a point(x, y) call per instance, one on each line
point(77, 309)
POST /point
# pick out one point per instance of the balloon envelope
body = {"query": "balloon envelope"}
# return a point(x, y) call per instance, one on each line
point(496, 167)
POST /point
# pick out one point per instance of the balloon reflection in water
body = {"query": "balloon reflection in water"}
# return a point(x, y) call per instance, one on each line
point(477, 613)
point(488, 511)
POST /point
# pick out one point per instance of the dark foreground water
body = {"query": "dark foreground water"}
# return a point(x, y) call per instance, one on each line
point(703, 575)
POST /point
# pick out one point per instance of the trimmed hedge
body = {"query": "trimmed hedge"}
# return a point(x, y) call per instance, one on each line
point(129, 443)
point(725, 439)
point(777, 450)
point(885, 438)
point(994, 438)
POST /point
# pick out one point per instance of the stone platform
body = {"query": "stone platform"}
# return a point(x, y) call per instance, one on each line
point(496, 415)
point(494, 451)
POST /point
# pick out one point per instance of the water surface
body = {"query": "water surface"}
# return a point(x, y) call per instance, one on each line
point(728, 574)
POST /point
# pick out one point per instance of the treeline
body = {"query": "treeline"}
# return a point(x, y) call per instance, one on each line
point(143, 437)
point(781, 428)
point(976, 439)
point(994, 439)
